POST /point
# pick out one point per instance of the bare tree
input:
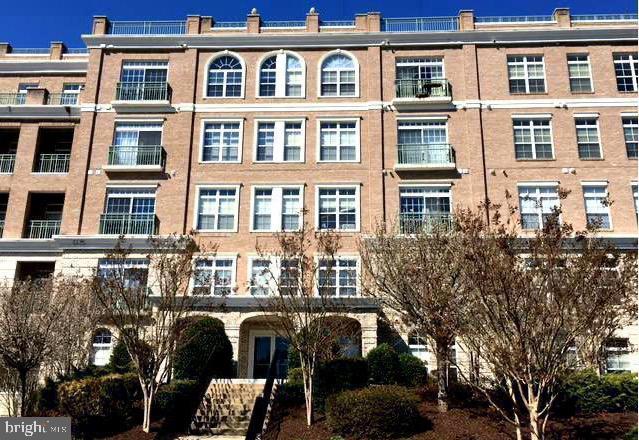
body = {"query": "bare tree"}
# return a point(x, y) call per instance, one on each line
point(36, 317)
point(303, 297)
point(536, 301)
point(418, 275)
point(147, 304)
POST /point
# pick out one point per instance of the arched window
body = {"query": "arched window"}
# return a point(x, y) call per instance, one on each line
point(281, 75)
point(339, 76)
point(225, 77)
point(102, 347)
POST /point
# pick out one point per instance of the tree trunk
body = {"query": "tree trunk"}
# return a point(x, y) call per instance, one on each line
point(23, 393)
point(442, 370)
point(148, 401)
point(308, 397)
point(533, 415)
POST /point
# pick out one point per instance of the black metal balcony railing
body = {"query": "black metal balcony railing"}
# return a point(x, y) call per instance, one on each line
point(53, 163)
point(43, 228)
point(13, 98)
point(140, 155)
point(127, 224)
point(422, 88)
point(428, 154)
point(62, 98)
point(412, 223)
point(143, 91)
point(7, 163)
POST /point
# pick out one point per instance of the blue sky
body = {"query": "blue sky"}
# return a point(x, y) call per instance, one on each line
point(65, 20)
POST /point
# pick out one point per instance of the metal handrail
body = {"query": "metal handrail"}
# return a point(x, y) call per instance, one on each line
point(604, 17)
point(136, 155)
point(64, 98)
point(40, 229)
point(147, 28)
point(283, 24)
point(142, 91)
point(425, 154)
point(53, 163)
point(30, 50)
point(229, 24)
point(420, 24)
point(124, 224)
point(77, 50)
point(13, 98)
point(337, 23)
point(422, 88)
point(515, 19)
point(413, 223)
point(7, 163)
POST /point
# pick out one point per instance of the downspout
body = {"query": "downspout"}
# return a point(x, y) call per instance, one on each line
point(381, 95)
point(481, 134)
point(189, 170)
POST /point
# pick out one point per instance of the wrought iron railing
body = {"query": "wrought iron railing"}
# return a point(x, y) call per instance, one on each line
point(429, 154)
point(140, 155)
point(413, 223)
point(147, 28)
point(77, 51)
point(229, 25)
point(420, 24)
point(337, 23)
point(127, 224)
point(62, 98)
point(13, 98)
point(515, 19)
point(604, 17)
point(422, 88)
point(283, 24)
point(143, 91)
point(30, 50)
point(7, 163)
point(53, 163)
point(43, 228)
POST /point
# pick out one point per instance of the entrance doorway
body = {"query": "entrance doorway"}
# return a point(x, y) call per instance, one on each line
point(262, 347)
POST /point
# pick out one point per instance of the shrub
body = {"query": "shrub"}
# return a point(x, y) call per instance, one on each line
point(340, 375)
point(374, 413)
point(293, 358)
point(412, 371)
point(383, 365)
point(177, 402)
point(203, 352)
point(120, 361)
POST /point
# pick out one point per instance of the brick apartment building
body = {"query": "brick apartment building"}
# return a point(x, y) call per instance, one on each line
point(234, 128)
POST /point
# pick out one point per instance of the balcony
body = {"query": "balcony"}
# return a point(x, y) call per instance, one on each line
point(62, 98)
point(411, 157)
point(7, 163)
point(127, 224)
point(13, 98)
point(135, 158)
point(146, 95)
point(53, 163)
point(41, 229)
point(413, 223)
point(415, 93)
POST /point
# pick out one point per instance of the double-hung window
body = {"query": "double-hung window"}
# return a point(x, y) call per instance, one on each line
point(261, 274)
point(423, 142)
point(423, 208)
point(618, 355)
point(418, 346)
point(588, 144)
point(281, 75)
point(143, 81)
point(537, 204)
point(221, 141)
point(533, 138)
point(579, 73)
point(626, 70)
point(279, 141)
point(526, 74)
point(71, 94)
point(130, 273)
point(217, 208)
point(630, 134)
point(214, 276)
point(277, 208)
point(338, 277)
point(339, 76)
point(419, 77)
point(131, 201)
point(137, 143)
point(22, 92)
point(635, 198)
point(597, 206)
point(102, 347)
point(339, 141)
point(338, 208)
point(273, 275)
point(225, 77)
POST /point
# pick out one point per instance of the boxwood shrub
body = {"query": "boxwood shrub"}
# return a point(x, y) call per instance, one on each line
point(380, 412)
point(412, 371)
point(176, 402)
point(383, 365)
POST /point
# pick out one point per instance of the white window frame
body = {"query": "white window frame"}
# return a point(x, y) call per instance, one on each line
point(199, 189)
point(358, 206)
point(634, 187)
point(634, 124)
point(578, 126)
point(214, 57)
point(124, 125)
point(277, 198)
point(526, 76)
point(338, 257)
point(421, 350)
point(537, 198)
point(96, 347)
point(214, 259)
point(579, 62)
point(633, 70)
point(338, 121)
point(275, 263)
point(280, 74)
point(619, 353)
point(240, 140)
point(420, 62)
point(605, 208)
point(144, 65)
point(319, 74)
point(531, 128)
point(278, 140)
point(130, 195)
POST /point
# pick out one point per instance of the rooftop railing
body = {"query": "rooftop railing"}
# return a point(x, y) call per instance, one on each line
point(147, 28)
point(604, 17)
point(420, 24)
point(41, 229)
point(229, 25)
point(413, 223)
point(7, 163)
point(77, 51)
point(53, 163)
point(140, 155)
point(283, 24)
point(142, 91)
point(30, 51)
point(62, 98)
point(337, 23)
point(422, 88)
point(515, 19)
point(124, 224)
point(13, 98)
point(430, 154)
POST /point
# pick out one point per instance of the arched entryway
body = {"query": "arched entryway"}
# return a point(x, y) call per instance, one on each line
point(259, 343)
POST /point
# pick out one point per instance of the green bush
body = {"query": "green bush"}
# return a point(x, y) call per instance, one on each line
point(584, 392)
point(203, 352)
point(382, 412)
point(383, 365)
point(120, 361)
point(293, 358)
point(176, 402)
point(340, 375)
point(412, 371)
point(103, 404)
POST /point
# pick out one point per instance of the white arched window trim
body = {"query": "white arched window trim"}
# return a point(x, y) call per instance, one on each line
point(319, 72)
point(214, 57)
point(281, 75)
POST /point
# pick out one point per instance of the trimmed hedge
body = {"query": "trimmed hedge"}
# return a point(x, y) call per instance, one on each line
point(382, 412)
point(383, 365)
point(412, 371)
point(177, 402)
point(120, 361)
point(340, 375)
point(203, 352)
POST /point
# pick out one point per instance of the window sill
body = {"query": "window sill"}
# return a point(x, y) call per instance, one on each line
point(535, 160)
point(527, 94)
point(592, 92)
point(591, 159)
point(220, 162)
